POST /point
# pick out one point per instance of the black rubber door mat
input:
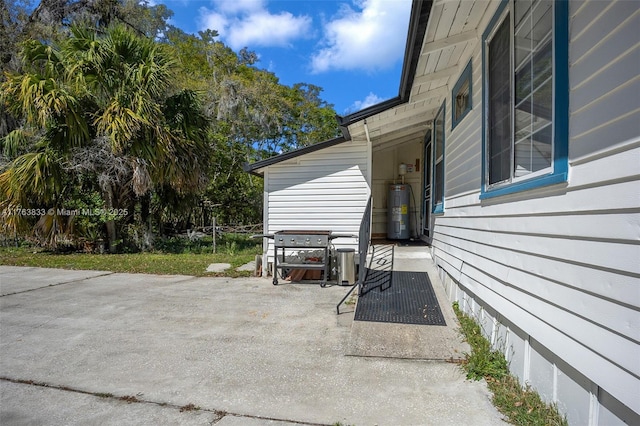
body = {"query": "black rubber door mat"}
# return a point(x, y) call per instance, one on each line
point(398, 297)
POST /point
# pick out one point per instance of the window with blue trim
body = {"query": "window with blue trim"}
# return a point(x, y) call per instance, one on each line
point(525, 111)
point(461, 97)
point(438, 161)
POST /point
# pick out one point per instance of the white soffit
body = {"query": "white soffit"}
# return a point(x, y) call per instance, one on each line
point(452, 34)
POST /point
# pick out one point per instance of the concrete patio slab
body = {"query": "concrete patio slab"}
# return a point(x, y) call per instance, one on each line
point(243, 347)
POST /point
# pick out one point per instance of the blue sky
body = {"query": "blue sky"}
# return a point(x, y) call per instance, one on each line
point(353, 49)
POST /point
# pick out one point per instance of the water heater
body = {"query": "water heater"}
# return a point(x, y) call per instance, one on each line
point(398, 212)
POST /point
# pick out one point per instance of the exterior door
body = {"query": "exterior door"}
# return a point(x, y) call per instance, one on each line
point(426, 191)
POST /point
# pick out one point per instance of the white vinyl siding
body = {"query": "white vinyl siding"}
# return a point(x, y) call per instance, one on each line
point(560, 264)
point(322, 190)
point(604, 78)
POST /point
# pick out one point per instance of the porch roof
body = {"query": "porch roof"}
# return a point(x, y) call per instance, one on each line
point(418, 20)
point(445, 48)
point(441, 36)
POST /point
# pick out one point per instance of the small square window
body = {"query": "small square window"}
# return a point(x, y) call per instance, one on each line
point(461, 96)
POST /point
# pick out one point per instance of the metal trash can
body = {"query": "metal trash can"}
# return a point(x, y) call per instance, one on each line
point(346, 266)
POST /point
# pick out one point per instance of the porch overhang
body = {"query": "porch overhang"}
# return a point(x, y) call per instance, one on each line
point(418, 22)
point(441, 36)
point(419, 18)
point(447, 31)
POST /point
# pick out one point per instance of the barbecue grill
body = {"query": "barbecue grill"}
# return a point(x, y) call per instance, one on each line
point(302, 240)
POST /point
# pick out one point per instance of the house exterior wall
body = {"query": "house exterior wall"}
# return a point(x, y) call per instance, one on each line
point(323, 190)
point(553, 273)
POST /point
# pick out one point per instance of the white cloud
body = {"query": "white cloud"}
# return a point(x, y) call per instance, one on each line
point(370, 100)
point(248, 23)
point(370, 38)
point(214, 21)
point(264, 29)
point(238, 6)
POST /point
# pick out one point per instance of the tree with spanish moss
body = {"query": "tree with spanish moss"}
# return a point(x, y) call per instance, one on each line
point(104, 106)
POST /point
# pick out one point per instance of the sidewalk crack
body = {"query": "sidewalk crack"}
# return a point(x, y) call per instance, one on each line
point(58, 284)
point(137, 399)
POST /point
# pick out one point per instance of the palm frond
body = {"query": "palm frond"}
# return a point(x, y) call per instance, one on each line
point(15, 143)
point(35, 177)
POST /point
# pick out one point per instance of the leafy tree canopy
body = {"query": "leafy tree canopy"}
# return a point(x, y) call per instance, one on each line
point(106, 105)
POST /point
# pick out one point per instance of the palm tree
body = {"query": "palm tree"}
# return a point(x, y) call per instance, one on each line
point(164, 137)
point(52, 123)
point(103, 106)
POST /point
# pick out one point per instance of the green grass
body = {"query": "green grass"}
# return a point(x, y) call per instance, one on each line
point(143, 263)
point(520, 405)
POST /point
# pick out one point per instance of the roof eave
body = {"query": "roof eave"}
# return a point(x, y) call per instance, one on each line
point(347, 120)
point(254, 168)
point(420, 12)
